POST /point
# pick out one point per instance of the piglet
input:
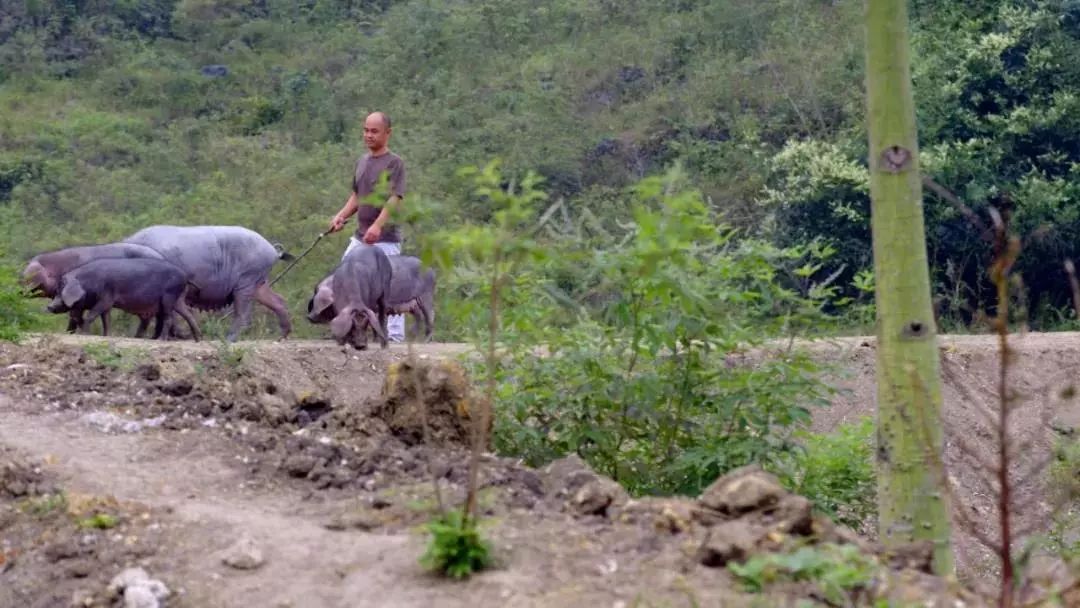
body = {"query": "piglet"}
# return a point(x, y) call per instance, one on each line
point(141, 286)
point(355, 294)
point(43, 271)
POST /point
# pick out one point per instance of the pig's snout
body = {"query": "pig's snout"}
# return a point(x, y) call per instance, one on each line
point(57, 305)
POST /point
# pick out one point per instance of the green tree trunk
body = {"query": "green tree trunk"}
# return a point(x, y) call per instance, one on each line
point(911, 504)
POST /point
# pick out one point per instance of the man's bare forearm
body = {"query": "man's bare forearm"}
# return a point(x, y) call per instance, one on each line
point(349, 209)
point(384, 215)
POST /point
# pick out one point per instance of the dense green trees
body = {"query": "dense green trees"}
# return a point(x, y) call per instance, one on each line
point(117, 114)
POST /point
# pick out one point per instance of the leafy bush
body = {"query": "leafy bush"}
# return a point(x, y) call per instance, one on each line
point(836, 570)
point(836, 472)
point(636, 383)
point(456, 549)
point(17, 313)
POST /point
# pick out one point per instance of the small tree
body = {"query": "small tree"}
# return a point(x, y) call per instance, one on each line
point(911, 506)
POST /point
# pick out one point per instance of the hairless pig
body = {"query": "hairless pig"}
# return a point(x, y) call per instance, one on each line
point(141, 286)
point(43, 271)
point(353, 297)
point(412, 291)
point(227, 264)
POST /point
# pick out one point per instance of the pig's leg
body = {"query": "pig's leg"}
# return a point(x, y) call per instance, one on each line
point(185, 312)
point(74, 322)
point(277, 305)
point(427, 307)
point(140, 331)
point(242, 302)
point(429, 320)
point(102, 306)
point(164, 319)
point(105, 318)
point(379, 324)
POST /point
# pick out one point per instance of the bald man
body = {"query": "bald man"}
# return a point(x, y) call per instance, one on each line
point(372, 227)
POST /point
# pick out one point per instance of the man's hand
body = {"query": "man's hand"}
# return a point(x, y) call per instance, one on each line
point(371, 236)
point(336, 224)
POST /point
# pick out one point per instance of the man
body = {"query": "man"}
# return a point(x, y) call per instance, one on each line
point(372, 227)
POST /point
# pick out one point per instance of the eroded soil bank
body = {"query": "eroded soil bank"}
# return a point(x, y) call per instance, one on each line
point(294, 474)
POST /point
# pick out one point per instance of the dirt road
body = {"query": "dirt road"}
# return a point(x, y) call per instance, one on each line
point(190, 487)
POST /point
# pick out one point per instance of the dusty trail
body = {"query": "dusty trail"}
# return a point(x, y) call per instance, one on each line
point(214, 489)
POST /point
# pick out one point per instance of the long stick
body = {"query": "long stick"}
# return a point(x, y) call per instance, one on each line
point(300, 257)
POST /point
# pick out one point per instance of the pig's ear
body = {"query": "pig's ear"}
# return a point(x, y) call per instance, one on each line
point(320, 302)
point(342, 324)
point(72, 293)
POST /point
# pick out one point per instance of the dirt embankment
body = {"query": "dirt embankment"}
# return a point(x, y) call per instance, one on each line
point(297, 474)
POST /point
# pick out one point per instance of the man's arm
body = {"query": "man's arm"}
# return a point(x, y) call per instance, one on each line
point(338, 221)
point(375, 231)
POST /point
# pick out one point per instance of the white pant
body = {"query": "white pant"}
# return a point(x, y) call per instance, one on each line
point(395, 324)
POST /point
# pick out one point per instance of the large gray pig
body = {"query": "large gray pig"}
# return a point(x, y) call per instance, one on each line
point(141, 286)
point(412, 291)
point(357, 289)
point(228, 264)
point(43, 271)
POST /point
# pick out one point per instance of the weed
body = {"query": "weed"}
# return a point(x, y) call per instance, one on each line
point(836, 472)
point(100, 521)
point(16, 313)
point(232, 357)
point(111, 356)
point(456, 550)
point(41, 506)
point(837, 570)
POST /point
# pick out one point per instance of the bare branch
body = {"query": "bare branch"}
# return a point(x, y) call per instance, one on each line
point(964, 210)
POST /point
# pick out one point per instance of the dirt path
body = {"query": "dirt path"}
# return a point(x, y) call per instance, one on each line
point(213, 487)
point(205, 491)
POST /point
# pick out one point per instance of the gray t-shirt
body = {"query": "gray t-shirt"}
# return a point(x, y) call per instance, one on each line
point(368, 170)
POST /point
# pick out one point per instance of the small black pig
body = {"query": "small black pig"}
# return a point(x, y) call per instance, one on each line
point(144, 287)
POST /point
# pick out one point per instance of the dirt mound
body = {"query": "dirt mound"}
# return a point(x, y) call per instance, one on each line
point(420, 391)
point(21, 476)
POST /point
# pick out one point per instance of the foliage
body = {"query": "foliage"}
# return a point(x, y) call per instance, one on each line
point(456, 549)
point(117, 115)
point(637, 386)
point(1064, 484)
point(17, 313)
point(99, 521)
point(45, 505)
point(836, 472)
point(836, 570)
point(109, 355)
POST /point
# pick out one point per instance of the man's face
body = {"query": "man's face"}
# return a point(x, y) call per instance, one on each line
point(376, 135)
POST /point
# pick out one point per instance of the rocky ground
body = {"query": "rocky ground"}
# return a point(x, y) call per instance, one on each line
point(295, 474)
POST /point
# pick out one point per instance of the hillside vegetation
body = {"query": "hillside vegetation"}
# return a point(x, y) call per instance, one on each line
point(117, 115)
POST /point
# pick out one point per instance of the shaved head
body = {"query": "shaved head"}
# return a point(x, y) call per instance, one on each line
point(379, 116)
point(377, 132)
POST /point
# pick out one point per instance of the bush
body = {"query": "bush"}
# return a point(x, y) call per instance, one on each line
point(636, 383)
point(836, 472)
point(457, 550)
point(17, 313)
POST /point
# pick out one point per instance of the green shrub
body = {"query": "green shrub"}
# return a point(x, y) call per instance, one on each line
point(836, 570)
point(456, 549)
point(836, 472)
point(637, 383)
point(18, 314)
